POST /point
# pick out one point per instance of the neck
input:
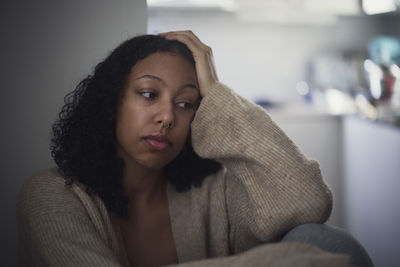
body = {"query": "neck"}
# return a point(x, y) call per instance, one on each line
point(143, 185)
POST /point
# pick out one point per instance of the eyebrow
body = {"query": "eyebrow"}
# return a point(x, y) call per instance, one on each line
point(158, 79)
point(152, 77)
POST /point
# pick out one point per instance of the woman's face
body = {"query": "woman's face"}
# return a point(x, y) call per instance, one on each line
point(161, 89)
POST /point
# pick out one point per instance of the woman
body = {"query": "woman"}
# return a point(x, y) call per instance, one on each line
point(131, 190)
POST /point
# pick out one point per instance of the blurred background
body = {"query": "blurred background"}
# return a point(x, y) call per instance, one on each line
point(326, 71)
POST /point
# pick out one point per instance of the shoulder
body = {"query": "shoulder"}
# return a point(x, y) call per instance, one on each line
point(46, 192)
point(43, 184)
point(42, 179)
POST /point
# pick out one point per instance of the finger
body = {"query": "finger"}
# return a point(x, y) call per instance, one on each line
point(191, 43)
point(197, 51)
point(188, 38)
point(192, 36)
point(187, 33)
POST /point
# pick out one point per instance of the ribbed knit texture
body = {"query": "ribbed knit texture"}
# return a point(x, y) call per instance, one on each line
point(267, 186)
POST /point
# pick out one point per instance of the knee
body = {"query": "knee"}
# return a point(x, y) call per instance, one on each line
point(304, 232)
point(319, 234)
point(329, 238)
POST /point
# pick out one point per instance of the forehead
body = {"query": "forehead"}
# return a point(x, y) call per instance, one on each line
point(164, 63)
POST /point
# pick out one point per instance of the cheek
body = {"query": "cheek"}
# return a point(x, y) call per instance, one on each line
point(128, 124)
point(183, 132)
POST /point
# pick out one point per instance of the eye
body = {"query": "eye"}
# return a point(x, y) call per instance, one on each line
point(148, 95)
point(185, 105)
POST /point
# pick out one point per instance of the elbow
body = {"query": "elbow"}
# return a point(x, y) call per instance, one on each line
point(319, 197)
point(323, 206)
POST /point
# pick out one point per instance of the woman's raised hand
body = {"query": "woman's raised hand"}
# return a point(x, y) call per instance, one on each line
point(203, 57)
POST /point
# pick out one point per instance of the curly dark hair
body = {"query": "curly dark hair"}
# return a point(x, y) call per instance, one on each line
point(84, 143)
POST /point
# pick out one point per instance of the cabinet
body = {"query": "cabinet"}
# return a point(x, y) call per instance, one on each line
point(360, 160)
point(371, 187)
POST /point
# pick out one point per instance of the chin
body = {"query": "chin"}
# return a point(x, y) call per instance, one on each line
point(156, 164)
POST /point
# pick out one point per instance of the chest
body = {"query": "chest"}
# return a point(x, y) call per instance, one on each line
point(148, 239)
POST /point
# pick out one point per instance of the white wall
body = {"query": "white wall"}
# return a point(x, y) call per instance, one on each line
point(265, 60)
point(46, 48)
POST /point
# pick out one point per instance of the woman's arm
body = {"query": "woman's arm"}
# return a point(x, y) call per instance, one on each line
point(270, 185)
point(60, 226)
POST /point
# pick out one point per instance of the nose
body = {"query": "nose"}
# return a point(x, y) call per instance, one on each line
point(165, 115)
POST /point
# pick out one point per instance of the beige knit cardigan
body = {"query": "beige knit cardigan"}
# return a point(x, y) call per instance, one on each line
point(267, 186)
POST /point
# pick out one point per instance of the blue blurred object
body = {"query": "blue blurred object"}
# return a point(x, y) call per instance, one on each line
point(384, 50)
point(266, 103)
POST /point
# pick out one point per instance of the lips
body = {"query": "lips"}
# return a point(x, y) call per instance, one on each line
point(158, 141)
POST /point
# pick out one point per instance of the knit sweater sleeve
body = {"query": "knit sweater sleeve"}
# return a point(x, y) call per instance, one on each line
point(270, 186)
point(60, 225)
